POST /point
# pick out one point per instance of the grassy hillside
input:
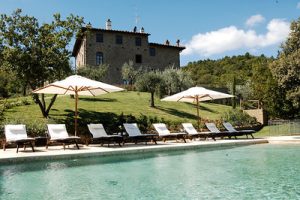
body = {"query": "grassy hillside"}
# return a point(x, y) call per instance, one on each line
point(135, 103)
point(107, 109)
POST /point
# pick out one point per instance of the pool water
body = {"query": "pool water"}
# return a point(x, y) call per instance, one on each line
point(265, 171)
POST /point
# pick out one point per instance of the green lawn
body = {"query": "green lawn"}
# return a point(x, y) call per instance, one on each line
point(135, 103)
point(286, 129)
point(106, 107)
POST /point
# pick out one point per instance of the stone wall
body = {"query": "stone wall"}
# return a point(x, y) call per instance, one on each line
point(259, 114)
point(164, 57)
point(81, 56)
point(115, 55)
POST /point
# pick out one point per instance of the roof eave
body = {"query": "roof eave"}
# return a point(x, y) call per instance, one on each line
point(181, 48)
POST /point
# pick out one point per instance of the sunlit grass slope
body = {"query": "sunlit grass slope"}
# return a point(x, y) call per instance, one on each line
point(134, 103)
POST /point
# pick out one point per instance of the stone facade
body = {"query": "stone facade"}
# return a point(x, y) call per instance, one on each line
point(98, 46)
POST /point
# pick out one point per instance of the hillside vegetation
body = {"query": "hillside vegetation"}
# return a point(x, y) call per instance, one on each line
point(109, 107)
point(134, 103)
point(246, 76)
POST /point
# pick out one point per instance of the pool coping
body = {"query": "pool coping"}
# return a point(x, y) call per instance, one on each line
point(57, 153)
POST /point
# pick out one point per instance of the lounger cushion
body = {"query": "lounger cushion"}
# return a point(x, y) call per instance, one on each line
point(212, 127)
point(97, 130)
point(132, 129)
point(57, 131)
point(189, 128)
point(161, 129)
point(15, 132)
point(230, 128)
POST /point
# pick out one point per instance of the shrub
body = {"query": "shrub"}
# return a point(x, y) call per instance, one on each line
point(10, 103)
point(238, 118)
point(34, 128)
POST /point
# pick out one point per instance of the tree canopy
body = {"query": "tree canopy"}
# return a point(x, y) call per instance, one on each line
point(37, 53)
point(286, 71)
point(149, 82)
point(250, 75)
point(97, 73)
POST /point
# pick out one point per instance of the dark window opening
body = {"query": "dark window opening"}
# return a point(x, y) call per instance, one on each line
point(99, 58)
point(119, 39)
point(138, 58)
point(99, 37)
point(138, 41)
point(152, 51)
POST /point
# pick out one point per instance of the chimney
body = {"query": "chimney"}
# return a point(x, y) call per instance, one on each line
point(89, 25)
point(142, 30)
point(108, 24)
point(178, 42)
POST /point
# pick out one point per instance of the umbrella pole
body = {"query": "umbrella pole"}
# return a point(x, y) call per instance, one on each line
point(76, 108)
point(198, 119)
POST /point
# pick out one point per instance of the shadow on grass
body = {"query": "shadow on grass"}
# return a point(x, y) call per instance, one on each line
point(97, 99)
point(204, 108)
point(109, 120)
point(177, 113)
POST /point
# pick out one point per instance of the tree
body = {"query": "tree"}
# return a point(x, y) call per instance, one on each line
point(9, 83)
point(97, 73)
point(149, 82)
point(286, 71)
point(265, 89)
point(253, 79)
point(233, 100)
point(176, 80)
point(38, 53)
point(129, 73)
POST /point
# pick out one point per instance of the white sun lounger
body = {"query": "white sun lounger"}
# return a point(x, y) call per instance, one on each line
point(99, 134)
point(217, 133)
point(17, 134)
point(135, 134)
point(232, 130)
point(193, 133)
point(164, 132)
point(58, 133)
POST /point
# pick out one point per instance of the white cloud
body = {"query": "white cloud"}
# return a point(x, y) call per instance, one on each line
point(298, 5)
point(231, 38)
point(254, 20)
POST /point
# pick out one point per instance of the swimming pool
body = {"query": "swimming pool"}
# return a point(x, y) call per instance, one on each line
point(264, 171)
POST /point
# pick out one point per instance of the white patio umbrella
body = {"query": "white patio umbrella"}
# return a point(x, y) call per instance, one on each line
point(77, 85)
point(196, 94)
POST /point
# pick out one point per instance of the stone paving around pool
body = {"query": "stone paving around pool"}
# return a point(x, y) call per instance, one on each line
point(284, 139)
point(57, 152)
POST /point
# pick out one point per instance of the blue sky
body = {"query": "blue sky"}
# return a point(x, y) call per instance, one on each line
point(208, 28)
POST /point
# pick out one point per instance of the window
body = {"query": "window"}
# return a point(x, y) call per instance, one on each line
point(138, 41)
point(99, 58)
point(119, 39)
point(138, 58)
point(152, 51)
point(99, 37)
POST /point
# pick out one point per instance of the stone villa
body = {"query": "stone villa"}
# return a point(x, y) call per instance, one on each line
point(99, 46)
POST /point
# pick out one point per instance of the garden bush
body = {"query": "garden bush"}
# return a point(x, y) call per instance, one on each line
point(35, 128)
point(238, 118)
point(13, 102)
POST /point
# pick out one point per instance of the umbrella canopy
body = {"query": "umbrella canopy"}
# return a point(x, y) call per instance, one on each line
point(77, 85)
point(196, 94)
